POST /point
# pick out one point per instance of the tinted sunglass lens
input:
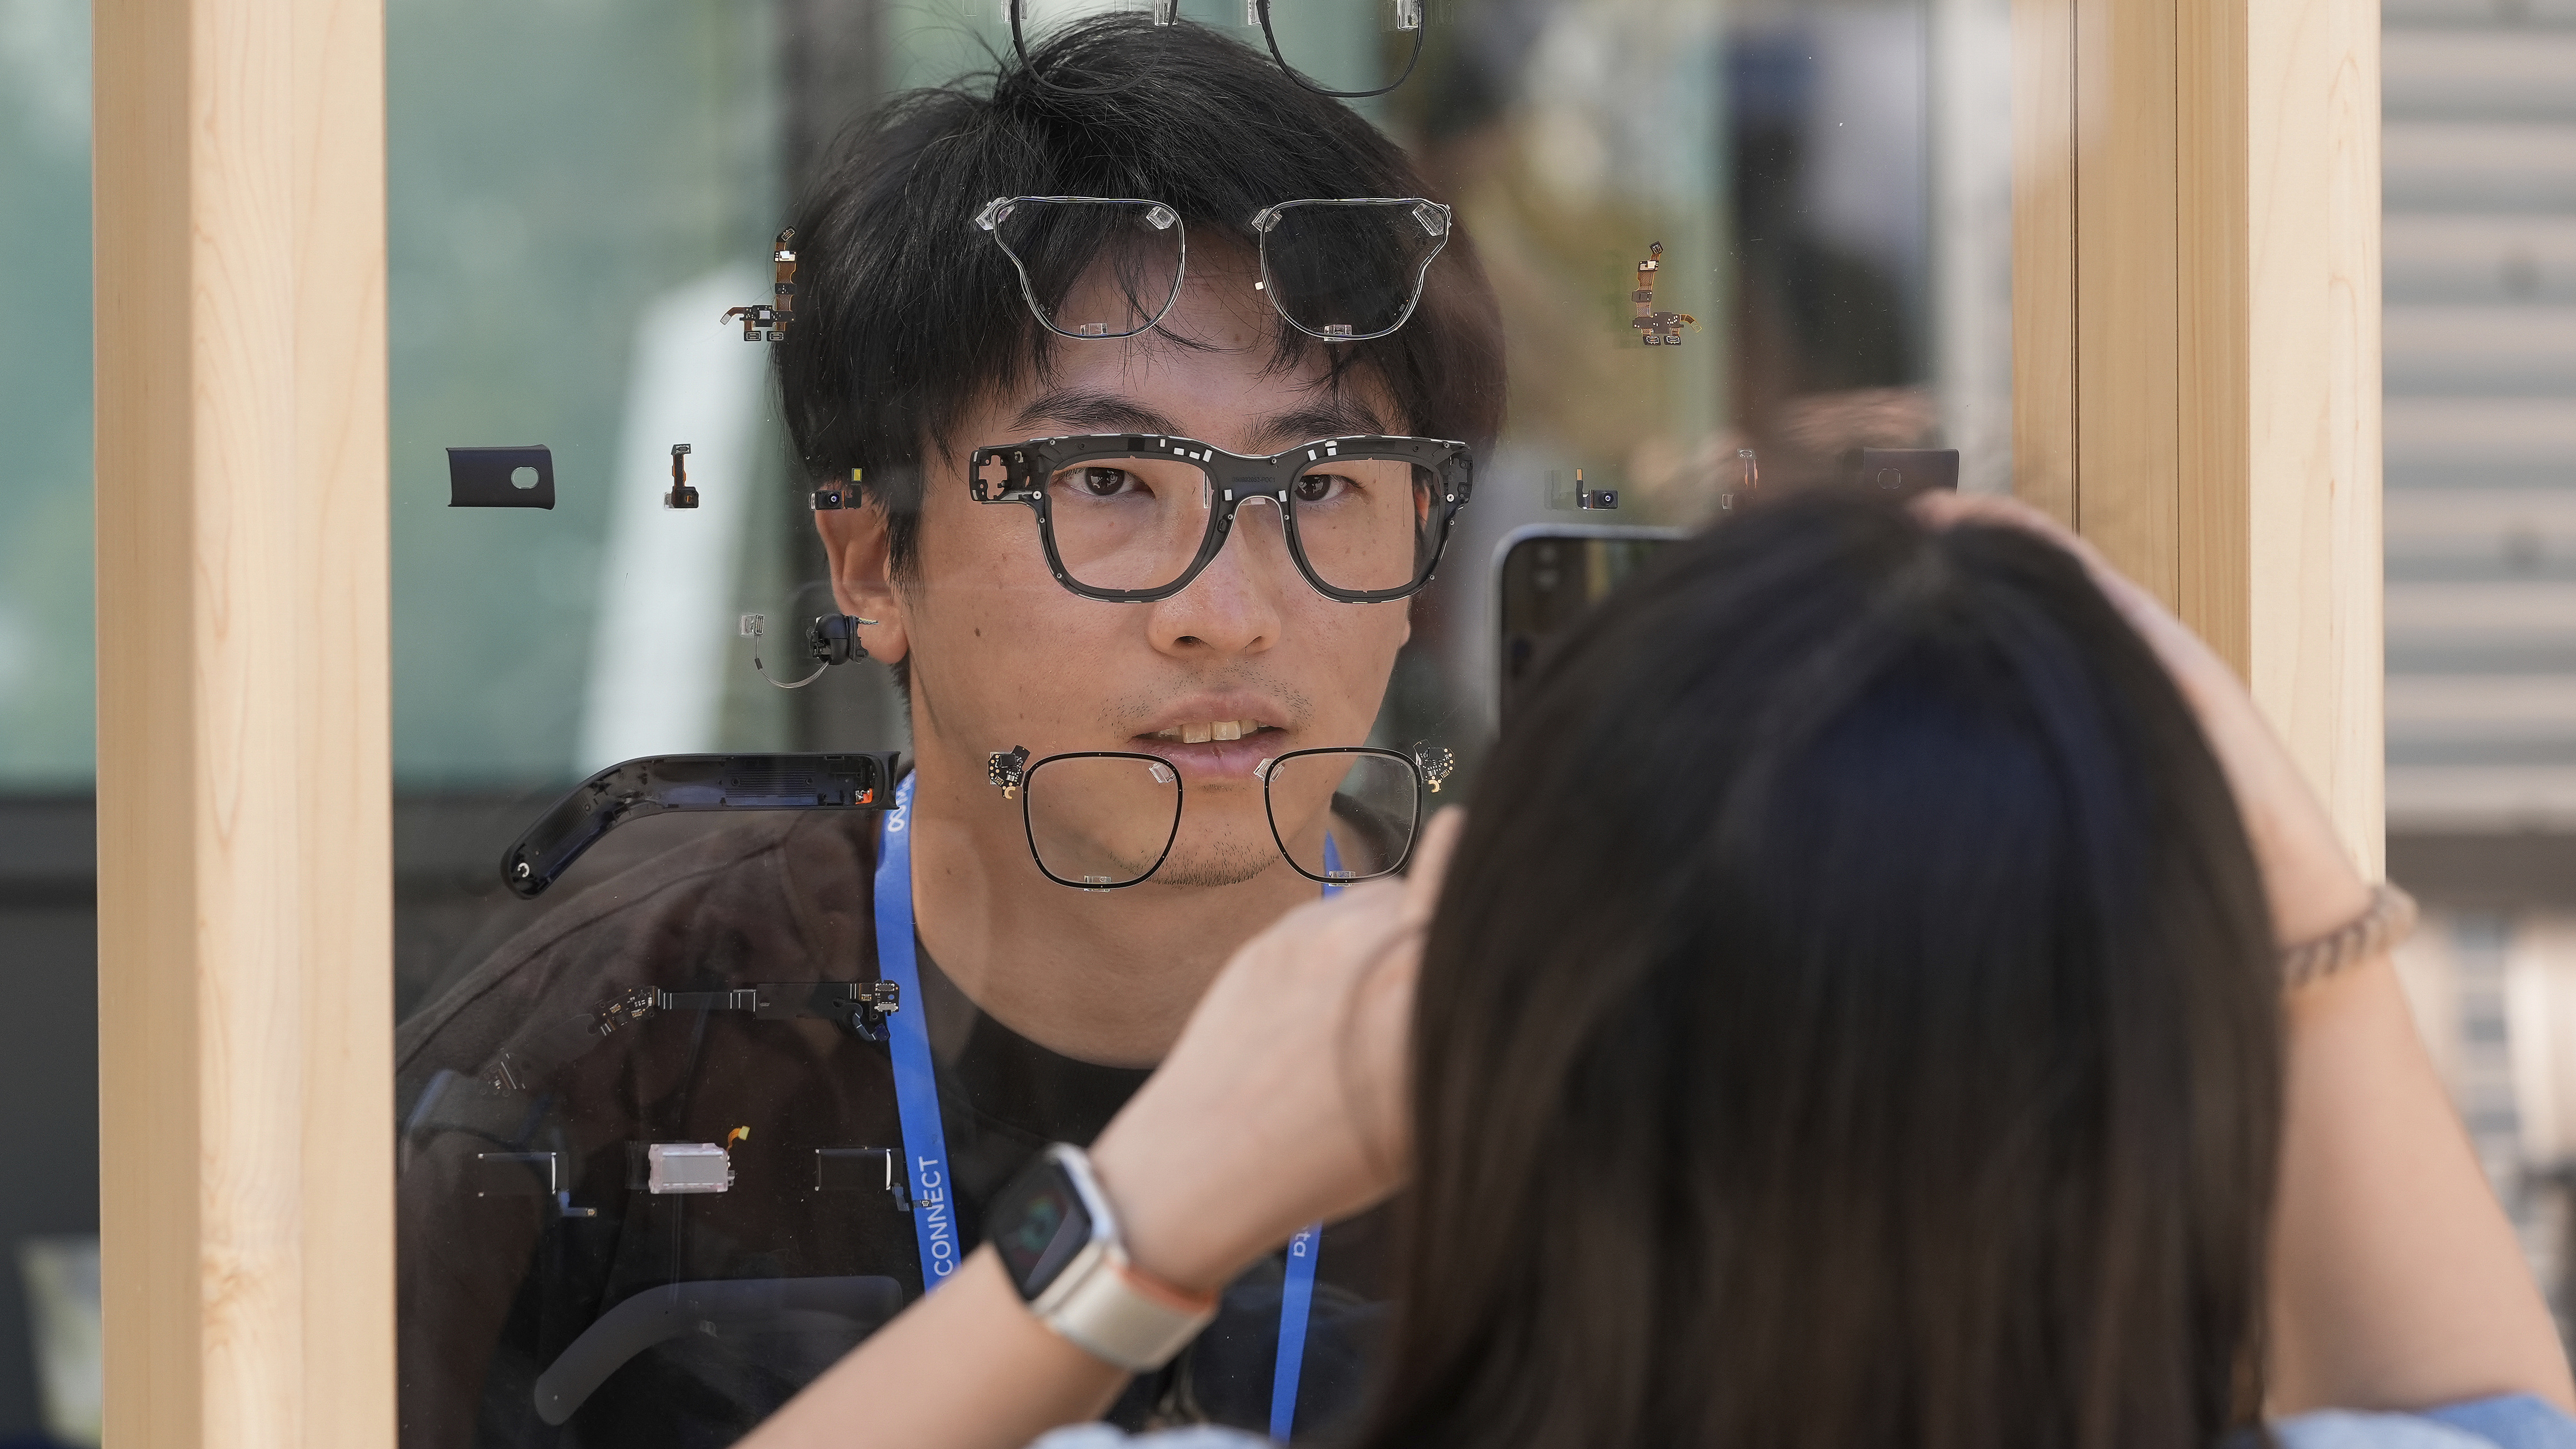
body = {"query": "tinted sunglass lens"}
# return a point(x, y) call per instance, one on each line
point(1349, 269)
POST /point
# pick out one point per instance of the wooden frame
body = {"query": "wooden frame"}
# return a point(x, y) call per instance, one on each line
point(2196, 387)
point(2196, 336)
point(245, 861)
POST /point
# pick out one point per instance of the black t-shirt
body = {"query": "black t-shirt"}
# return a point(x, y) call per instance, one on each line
point(525, 1225)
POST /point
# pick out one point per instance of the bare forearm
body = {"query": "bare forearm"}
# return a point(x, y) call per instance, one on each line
point(968, 1367)
point(2397, 1282)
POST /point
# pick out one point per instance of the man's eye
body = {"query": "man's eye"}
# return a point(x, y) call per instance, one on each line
point(1319, 487)
point(1101, 482)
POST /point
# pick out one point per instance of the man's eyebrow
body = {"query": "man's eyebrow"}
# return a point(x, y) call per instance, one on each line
point(1099, 412)
point(1085, 410)
point(1342, 417)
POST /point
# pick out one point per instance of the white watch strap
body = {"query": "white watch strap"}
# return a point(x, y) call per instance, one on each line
point(1117, 1315)
point(1102, 1304)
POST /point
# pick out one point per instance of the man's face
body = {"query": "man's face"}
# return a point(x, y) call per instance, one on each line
point(1247, 663)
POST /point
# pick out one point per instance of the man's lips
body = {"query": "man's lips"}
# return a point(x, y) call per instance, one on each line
point(1215, 759)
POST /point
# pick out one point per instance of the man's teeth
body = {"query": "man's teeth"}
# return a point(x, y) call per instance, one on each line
point(1199, 734)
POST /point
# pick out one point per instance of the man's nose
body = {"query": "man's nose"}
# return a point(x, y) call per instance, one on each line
point(1233, 606)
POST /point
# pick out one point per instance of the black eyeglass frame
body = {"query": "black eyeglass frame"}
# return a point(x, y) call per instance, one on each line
point(1011, 770)
point(1027, 467)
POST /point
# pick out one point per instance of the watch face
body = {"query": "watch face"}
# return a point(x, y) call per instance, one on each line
point(1039, 1226)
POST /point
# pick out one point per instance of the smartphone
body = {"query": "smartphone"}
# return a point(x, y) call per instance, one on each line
point(1547, 574)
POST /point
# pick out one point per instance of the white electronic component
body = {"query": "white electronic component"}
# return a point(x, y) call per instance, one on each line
point(687, 1167)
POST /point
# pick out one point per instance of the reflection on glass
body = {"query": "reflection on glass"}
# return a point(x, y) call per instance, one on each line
point(572, 209)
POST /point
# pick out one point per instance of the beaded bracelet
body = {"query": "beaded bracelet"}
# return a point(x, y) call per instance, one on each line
point(2389, 920)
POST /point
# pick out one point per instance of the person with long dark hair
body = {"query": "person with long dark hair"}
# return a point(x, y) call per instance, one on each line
point(1890, 989)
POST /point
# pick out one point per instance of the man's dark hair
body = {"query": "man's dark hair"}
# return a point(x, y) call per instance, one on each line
point(907, 314)
point(1851, 1018)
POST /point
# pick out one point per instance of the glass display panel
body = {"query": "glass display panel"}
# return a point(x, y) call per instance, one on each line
point(898, 573)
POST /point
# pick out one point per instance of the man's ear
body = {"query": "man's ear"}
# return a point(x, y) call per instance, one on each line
point(862, 552)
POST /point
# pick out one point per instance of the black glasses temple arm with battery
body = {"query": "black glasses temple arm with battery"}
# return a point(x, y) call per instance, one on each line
point(660, 784)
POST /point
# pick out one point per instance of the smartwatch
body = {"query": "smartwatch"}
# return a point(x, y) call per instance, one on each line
point(1059, 1242)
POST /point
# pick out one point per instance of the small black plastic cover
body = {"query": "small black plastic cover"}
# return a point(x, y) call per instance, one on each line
point(480, 477)
point(660, 783)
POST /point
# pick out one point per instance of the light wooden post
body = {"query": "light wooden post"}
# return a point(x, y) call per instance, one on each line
point(2196, 310)
point(245, 1011)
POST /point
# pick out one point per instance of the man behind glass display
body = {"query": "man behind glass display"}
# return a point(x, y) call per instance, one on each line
point(912, 345)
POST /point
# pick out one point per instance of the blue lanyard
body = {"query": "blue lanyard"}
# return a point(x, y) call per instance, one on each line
point(916, 1082)
point(1297, 1289)
point(925, 1138)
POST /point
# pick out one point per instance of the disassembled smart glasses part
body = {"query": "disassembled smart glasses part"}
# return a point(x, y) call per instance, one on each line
point(1662, 329)
point(657, 784)
point(490, 477)
point(1436, 763)
point(862, 1169)
point(1748, 480)
point(1008, 770)
point(1341, 563)
point(1329, 237)
point(681, 494)
point(1906, 470)
point(1578, 496)
point(1044, 217)
point(831, 639)
point(838, 495)
point(1407, 17)
point(1381, 810)
point(861, 1006)
point(687, 1167)
point(715, 1307)
point(767, 322)
point(1339, 269)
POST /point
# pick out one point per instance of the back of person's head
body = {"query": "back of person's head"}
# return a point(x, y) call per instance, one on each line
point(1849, 1022)
point(907, 314)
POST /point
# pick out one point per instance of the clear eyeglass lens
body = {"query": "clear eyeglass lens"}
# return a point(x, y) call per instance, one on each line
point(1360, 803)
point(1102, 820)
point(1344, 45)
point(1365, 523)
point(1093, 268)
point(1131, 522)
point(1348, 268)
